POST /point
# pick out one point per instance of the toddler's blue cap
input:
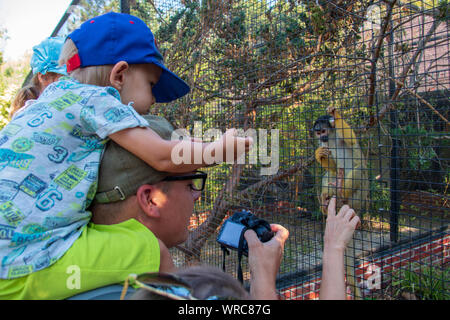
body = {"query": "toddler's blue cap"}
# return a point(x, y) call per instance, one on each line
point(114, 37)
point(45, 56)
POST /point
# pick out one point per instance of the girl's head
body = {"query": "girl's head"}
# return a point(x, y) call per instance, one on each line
point(45, 57)
point(44, 62)
point(45, 68)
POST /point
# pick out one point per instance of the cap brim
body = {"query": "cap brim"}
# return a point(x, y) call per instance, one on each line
point(169, 87)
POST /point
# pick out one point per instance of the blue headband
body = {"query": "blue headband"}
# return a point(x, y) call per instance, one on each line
point(45, 57)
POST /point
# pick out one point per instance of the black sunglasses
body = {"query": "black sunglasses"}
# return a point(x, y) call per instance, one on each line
point(198, 180)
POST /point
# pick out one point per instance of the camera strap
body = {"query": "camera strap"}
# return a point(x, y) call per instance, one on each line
point(225, 252)
point(240, 252)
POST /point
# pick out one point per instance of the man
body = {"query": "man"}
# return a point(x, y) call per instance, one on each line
point(130, 190)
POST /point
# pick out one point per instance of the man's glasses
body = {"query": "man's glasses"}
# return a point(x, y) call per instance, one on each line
point(198, 180)
point(165, 285)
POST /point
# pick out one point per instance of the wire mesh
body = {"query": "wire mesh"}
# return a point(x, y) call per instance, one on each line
point(271, 68)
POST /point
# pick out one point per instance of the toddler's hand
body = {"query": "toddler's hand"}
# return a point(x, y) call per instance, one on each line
point(231, 146)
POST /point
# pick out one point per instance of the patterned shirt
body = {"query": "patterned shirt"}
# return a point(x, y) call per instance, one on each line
point(49, 159)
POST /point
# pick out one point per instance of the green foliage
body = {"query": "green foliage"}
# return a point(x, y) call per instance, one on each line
point(87, 9)
point(426, 282)
point(380, 197)
point(418, 143)
point(4, 103)
point(3, 38)
point(12, 75)
point(444, 10)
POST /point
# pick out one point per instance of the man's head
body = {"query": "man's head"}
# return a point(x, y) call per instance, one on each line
point(93, 51)
point(130, 188)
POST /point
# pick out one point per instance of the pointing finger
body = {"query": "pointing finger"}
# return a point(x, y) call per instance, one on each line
point(332, 207)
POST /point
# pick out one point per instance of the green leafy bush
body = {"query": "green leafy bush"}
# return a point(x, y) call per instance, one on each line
point(426, 282)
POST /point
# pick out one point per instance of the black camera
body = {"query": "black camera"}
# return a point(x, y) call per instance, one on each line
point(233, 229)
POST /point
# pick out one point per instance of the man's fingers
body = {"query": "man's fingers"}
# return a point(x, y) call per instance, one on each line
point(332, 207)
point(343, 211)
point(281, 235)
point(355, 222)
point(281, 232)
point(349, 214)
point(251, 237)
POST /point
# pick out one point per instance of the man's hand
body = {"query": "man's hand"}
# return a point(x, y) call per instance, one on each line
point(339, 227)
point(264, 260)
point(338, 233)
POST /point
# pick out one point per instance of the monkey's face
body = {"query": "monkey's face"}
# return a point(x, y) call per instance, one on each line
point(322, 129)
point(321, 134)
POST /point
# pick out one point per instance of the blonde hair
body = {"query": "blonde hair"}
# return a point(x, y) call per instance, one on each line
point(33, 90)
point(95, 75)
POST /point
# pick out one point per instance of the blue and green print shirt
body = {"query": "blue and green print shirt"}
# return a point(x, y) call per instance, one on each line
point(49, 158)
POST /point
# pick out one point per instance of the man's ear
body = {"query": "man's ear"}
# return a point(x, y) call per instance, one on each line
point(118, 74)
point(146, 201)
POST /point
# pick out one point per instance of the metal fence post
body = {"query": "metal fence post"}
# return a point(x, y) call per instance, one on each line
point(124, 6)
point(395, 161)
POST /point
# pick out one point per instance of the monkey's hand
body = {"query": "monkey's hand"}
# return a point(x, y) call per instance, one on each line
point(322, 153)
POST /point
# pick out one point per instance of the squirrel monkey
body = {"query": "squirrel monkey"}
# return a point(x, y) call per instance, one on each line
point(340, 155)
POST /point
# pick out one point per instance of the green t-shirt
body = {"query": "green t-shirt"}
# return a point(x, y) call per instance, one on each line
point(102, 255)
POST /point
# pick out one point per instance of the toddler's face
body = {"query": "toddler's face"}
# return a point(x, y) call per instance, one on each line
point(138, 85)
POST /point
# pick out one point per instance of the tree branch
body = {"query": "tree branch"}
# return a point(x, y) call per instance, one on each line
point(402, 77)
point(376, 53)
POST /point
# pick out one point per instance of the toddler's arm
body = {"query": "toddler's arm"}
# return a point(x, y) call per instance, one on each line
point(159, 153)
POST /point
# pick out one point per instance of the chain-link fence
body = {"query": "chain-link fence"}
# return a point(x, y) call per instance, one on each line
point(272, 68)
